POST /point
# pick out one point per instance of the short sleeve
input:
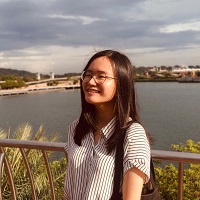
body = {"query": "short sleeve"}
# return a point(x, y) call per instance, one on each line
point(137, 150)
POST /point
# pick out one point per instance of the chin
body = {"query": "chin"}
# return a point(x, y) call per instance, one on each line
point(93, 102)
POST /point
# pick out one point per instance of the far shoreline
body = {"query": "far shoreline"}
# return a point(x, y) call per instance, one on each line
point(37, 89)
point(19, 91)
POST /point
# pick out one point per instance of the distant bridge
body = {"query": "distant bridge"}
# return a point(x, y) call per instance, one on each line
point(29, 90)
point(42, 81)
point(46, 80)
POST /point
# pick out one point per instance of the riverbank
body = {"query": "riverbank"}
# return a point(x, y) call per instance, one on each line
point(156, 80)
point(37, 89)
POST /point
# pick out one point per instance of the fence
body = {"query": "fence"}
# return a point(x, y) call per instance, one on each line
point(180, 157)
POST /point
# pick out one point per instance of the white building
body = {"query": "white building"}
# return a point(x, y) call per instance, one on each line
point(38, 76)
point(185, 70)
point(52, 75)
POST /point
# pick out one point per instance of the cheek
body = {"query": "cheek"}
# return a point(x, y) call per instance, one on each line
point(111, 90)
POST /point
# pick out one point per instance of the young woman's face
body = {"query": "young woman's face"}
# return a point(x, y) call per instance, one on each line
point(100, 93)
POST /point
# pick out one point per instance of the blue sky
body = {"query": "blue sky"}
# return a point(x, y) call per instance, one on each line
point(60, 35)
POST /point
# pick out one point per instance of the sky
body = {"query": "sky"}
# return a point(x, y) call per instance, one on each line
point(61, 35)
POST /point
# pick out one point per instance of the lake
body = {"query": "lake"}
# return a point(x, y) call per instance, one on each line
point(170, 112)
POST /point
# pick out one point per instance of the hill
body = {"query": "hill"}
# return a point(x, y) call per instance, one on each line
point(15, 72)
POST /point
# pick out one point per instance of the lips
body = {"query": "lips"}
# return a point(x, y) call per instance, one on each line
point(93, 91)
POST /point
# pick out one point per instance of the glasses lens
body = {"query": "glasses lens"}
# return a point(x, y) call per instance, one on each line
point(86, 76)
point(100, 77)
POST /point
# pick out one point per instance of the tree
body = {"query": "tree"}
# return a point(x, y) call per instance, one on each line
point(36, 162)
point(52, 83)
point(198, 73)
point(29, 79)
point(167, 176)
point(12, 83)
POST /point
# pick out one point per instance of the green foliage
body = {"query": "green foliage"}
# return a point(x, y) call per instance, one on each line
point(167, 176)
point(15, 72)
point(3, 134)
point(37, 164)
point(167, 181)
point(13, 83)
point(198, 73)
point(8, 77)
point(58, 170)
point(29, 79)
point(52, 83)
point(75, 82)
point(189, 146)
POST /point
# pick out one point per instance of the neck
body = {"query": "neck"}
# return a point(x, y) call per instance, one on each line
point(104, 115)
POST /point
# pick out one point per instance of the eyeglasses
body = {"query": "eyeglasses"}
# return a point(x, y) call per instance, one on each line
point(99, 77)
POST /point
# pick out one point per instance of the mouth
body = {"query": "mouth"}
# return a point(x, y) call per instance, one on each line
point(92, 91)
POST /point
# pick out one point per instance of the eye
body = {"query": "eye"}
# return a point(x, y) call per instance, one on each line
point(101, 76)
point(87, 75)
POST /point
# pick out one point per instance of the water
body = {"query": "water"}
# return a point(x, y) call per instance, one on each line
point(54, 110)
point(169, 111)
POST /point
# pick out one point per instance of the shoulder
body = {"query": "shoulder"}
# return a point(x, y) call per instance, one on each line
point(135, 130)
point(71, 132)
point(136, 139)
point(71, 129)
point(136, 126)
point(73, 125)
point(136, 135)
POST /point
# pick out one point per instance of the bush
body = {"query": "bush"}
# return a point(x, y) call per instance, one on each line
point(167, 176)
point(38, 168)
point(10, 84)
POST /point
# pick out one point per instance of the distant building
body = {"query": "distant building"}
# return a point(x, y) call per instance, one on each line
point(52, 75)
point(161, 69)
point(38, 76)
point(184, 70)
point(153, 69)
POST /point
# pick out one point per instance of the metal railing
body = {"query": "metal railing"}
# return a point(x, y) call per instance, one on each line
point(44, 147)
point(180, 157)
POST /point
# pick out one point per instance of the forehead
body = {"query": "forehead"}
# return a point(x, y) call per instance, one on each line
point(101, 64)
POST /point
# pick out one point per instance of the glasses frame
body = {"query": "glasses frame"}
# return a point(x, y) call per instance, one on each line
point(93, 75)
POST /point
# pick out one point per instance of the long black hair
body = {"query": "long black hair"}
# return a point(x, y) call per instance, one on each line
point(125, 99)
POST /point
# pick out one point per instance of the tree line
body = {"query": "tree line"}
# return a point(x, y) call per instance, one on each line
point(12, 78)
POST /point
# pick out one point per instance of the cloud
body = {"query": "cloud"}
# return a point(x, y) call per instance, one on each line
point(189, 26)
point(58, 35)
point(84, 19)
point(59, 59)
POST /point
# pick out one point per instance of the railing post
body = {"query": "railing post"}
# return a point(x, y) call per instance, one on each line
point(180, 180)
point(9, 174)
point(1, 165)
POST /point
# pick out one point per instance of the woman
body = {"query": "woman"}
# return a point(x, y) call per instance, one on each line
point(108, 107)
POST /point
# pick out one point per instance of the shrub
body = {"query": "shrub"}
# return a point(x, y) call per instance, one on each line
point(38, 169)
point(167, 176)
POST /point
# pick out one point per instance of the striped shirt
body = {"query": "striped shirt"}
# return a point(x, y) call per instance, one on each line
point(90, 171)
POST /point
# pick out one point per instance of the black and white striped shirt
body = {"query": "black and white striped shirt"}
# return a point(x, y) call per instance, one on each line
point(90, 171)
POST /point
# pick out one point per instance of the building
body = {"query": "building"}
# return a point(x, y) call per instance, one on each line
point(38, 76)
point(51, 75)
